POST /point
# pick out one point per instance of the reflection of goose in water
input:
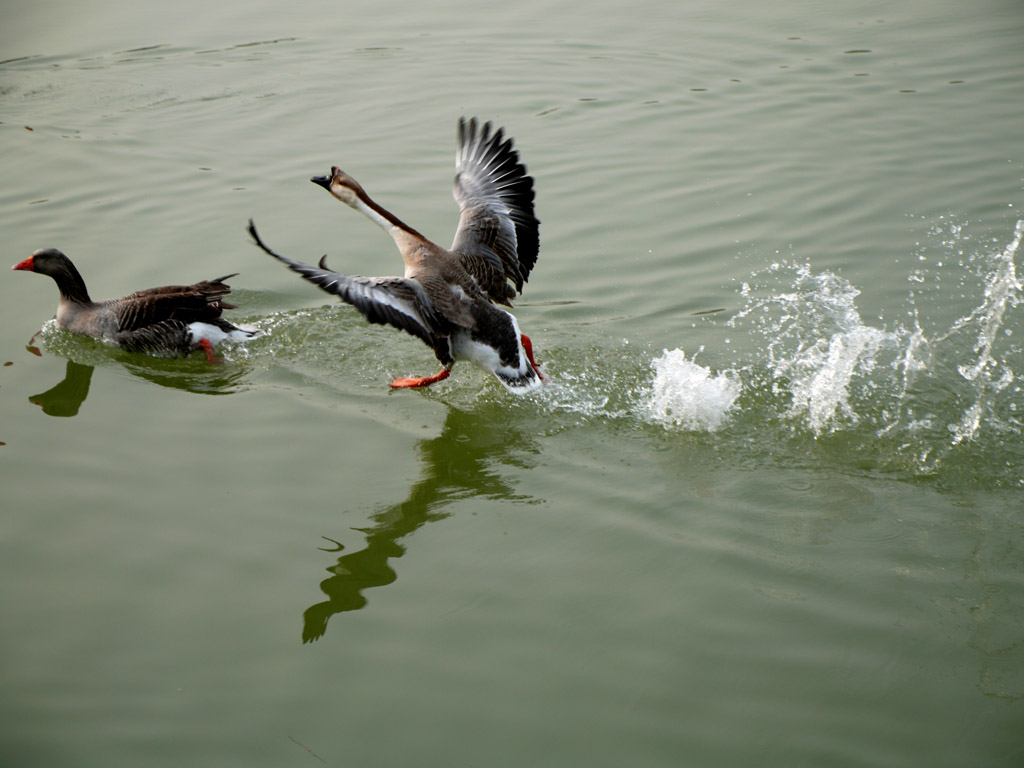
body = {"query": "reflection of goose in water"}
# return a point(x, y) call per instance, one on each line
point(207, 380)
point(172, 320)
point(447, 297)
point(65, 398)
point(464, 461)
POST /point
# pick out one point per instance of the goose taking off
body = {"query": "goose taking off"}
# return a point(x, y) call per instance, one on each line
point(447, 297)
point(173, 320)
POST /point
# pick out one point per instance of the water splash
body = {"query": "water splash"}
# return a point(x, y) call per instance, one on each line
point(689, 395)
point(986, 371)
point(944, 399)
point(817, 344)
point(591, 382)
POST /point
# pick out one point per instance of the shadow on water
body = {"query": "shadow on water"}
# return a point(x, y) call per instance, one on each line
point(462, 462)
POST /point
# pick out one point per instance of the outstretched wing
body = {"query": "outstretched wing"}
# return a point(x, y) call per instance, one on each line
point(498, 238)
point(393, 301)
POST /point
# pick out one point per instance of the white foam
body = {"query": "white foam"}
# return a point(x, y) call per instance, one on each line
point(689, 395)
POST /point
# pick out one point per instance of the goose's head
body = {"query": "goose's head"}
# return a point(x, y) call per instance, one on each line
point(50, 261)
point(45, 261)
point(341, 185)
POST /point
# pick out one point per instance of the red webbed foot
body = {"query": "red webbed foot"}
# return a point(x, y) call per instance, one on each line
point(528, 348)
point(207, 347)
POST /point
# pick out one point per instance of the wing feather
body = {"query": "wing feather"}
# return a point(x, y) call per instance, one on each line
point(498, 236)
point(394, 301)
point(201, 302)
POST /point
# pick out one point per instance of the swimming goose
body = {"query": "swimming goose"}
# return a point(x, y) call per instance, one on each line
point(447, 297)
point(173, 320)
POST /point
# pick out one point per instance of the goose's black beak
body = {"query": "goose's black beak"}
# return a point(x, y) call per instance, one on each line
point(323, 181)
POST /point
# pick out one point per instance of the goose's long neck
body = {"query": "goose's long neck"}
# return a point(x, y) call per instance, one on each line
point(71, 285)
point(383, 218)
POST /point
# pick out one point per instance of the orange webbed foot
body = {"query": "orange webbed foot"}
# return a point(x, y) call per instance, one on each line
point(408, 382)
